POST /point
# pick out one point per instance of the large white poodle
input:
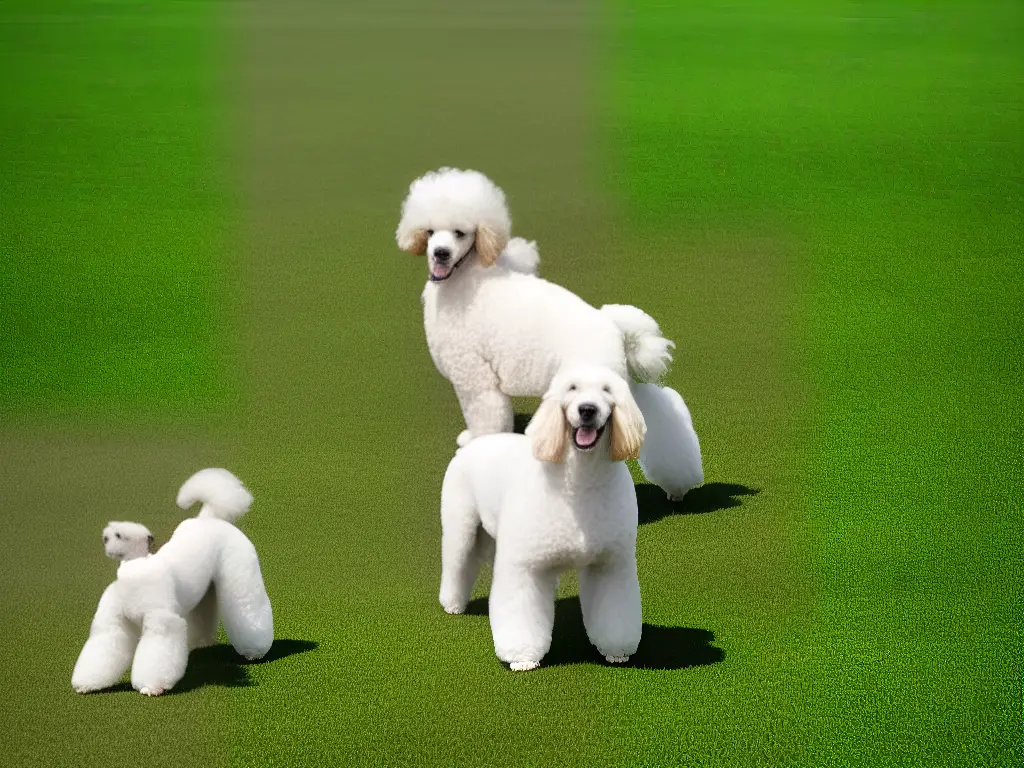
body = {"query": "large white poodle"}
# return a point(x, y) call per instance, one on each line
point(496, 330)
point(164, 604)
point(556, 498)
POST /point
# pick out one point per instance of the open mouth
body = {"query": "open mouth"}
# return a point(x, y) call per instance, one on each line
point(440, 272)
point(585, 438)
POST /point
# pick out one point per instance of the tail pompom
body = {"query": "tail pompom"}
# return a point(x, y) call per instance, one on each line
point(222, 494)
point(520, 256)
point(648, 353)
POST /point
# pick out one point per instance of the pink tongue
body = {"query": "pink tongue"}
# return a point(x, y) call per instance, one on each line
point(441, 270)
point(586, 437)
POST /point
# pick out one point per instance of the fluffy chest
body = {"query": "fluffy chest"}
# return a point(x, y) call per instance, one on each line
point(478, 332)
point(570, 530)
point(144, 585)
point(446, 316)
point(447, 320)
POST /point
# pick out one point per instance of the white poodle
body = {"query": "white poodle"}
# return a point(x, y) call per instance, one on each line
point(496, 330)
point(556, 498)
point(164, 604)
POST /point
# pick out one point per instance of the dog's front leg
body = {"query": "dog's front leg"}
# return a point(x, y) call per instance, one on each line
point(463, 542)
point(522, 609)
point(108, 651)
point(487, 411)
point(610, 599)
point(162, 655)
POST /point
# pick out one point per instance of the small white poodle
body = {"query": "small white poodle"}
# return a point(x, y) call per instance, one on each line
point(496, 330)
point(556, 498)
point(163, 605)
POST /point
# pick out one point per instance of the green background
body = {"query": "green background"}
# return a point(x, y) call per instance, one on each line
point(821, 203)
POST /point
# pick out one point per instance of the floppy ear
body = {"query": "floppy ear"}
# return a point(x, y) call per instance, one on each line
point(489, 244)
point(547, 430)
point(413, 241)
point(628, 428)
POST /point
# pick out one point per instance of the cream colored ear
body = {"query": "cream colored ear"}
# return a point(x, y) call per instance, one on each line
point(547, 430)
point(489, 244)
point(628, 429)
point(414, 242)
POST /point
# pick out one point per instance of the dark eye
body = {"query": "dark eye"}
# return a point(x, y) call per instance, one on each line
point(459, 234)
point(106, 539)
point(572, 387)
point(430, 233)
point(118, 535)
point(607, 389)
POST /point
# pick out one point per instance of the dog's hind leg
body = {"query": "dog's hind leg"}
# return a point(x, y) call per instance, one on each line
point(107, 653)
point(670, 455)
point(464, 543)
point(610, 599)
point(242, 600)
point(522, 610)
point(202, 622)
point(162, 654)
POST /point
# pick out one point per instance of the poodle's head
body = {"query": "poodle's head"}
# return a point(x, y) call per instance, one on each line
point(587, 409)
point(126, 541)
point(448, 215)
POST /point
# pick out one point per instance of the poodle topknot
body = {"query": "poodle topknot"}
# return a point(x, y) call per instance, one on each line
point(454, 200)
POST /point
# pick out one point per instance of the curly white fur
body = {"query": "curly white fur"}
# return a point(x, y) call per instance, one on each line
point(496, 330)
point(164, 604)
point(556, 498)
point(670, 457)
point(222, 494)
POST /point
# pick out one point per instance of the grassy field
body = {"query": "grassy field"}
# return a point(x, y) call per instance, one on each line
point(820, 202)
point(114, 212)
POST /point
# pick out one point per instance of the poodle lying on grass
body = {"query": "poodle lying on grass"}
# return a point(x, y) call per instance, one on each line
point(162, 605)
point(556, 498)
point(496, 330)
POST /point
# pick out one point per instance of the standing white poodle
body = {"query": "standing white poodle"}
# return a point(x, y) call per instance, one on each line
point(164, 604)
point(496, 330)
point(556, 498)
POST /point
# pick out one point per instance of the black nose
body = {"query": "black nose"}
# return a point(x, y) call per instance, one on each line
point(442, 254)
point(587, 412)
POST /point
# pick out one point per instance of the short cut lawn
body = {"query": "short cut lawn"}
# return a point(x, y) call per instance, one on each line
point(820, 203)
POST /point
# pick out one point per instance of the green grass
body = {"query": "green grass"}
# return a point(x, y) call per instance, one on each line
point(113, 213)
point(821, 203)
point(882, 141)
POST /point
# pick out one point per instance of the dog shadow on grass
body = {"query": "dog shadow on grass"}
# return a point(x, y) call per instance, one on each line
point(519, 422)
point(664, 648)
point(222, 666)
point(653, 504)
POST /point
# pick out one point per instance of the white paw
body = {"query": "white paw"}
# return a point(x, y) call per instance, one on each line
point(523, 666)
point(151, 691)
point(674, 497)
point(617, 659)
point(450, 602)
point(83, 688)
point(464, 438)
